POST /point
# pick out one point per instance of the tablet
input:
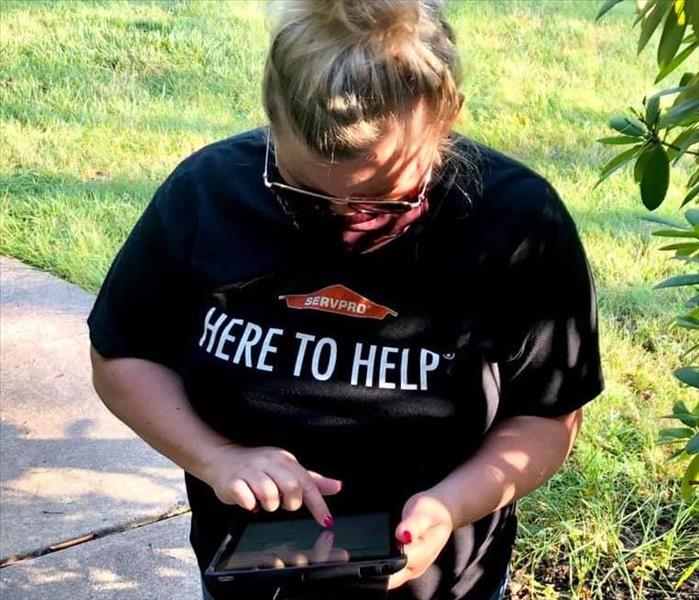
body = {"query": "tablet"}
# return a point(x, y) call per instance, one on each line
point(284, 551)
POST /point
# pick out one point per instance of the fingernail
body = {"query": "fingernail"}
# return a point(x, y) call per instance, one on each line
point(328, 521)
point(407, 537)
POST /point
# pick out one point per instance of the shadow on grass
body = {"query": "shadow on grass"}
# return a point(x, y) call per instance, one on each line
point(43, 185)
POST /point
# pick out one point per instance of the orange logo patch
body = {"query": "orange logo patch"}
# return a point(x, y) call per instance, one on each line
point(339, 300)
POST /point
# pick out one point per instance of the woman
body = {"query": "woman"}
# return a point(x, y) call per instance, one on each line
point(356, 306)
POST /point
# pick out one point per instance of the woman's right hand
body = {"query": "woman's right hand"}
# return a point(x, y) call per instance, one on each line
point(245, 475)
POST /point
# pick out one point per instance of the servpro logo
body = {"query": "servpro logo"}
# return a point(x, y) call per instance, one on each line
point(339, 300)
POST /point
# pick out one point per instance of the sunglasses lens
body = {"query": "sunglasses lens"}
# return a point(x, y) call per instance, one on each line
point(300, 202)
point(380, 208)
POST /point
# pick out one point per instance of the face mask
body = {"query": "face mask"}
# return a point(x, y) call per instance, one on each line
point(353, 232)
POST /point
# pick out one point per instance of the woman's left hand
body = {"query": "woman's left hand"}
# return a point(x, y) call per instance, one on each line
point(429, 524)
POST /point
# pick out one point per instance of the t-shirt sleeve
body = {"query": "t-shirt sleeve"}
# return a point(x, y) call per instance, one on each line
point(548, 315)
point(140, 310)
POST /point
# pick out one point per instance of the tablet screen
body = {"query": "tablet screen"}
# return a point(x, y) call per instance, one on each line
point(276, 544)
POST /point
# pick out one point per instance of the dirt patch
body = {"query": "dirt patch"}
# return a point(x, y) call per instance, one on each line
point(552, 580)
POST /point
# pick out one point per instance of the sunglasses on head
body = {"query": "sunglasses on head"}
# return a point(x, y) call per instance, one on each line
point(286, 194)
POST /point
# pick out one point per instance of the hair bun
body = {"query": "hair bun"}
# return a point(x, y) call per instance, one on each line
point(340, 71)
point(373, 17)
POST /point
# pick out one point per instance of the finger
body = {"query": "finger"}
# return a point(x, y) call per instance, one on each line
point(243, 559)
point(412, 527)
point(326, 485)
point(270, 560)
point(420, 554)
point(278, 563)
point(288, 484)
point(322, 546)
point(339, 555)
point(240, 493)
point(293, 557)
point(398, 578)
point(265, 490)
point(417, 553)
point(314, 501)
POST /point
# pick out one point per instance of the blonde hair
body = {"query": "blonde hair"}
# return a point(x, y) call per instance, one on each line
point(340, 72)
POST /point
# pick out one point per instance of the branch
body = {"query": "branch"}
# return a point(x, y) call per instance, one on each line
point(678, 148)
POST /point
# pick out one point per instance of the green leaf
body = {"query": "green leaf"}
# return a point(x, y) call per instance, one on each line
point(656, 178)
point(668, 441)
point(693, 445)
point(664, 220)
point(678, 281)
point(693, 315)
point(690, 481)
point(640, 165)
point(689, 247)
point(684, 416)
point(642, 12)
point(675, 233)
point(684, 140)
point(685, 252)
point(676, 89)
point(685, 354)
point(627, 125)
point(651, 22)
point(676, 433)
point(619, 139)
point(692, 215)
point(675, 62)
point(606, 7)
point(687, 323)
point(679, 408)
point(685, 79)
point(693, 192)
point(617, 162)
point(671, 38)
point(692, 9)
point(689, 109)
point(690, 90)
point(652, 109)
point(689, 571)
point(687, 419)
point(688, 375)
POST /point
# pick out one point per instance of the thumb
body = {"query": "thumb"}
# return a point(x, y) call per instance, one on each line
point(326, 485)
point(413, 525)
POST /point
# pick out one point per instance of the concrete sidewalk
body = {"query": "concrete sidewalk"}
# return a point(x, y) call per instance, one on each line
point(69, 468)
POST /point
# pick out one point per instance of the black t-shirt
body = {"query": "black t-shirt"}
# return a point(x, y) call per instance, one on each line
point(383, 369)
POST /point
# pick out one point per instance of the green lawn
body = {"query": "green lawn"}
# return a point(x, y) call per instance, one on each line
point(100, 100)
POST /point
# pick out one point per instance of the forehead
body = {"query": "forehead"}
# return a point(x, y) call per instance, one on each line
point(395, 164)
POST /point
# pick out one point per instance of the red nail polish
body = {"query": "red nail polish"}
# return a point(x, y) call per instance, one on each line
point(328, 521)
point(407, 537)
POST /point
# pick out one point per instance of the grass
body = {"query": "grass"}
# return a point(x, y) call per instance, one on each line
point(100, 101)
